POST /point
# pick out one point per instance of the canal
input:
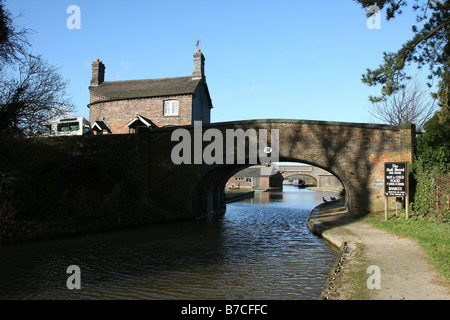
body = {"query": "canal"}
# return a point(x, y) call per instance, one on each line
point(259, 249)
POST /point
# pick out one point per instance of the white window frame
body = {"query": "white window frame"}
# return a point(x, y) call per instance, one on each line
point(171, 108)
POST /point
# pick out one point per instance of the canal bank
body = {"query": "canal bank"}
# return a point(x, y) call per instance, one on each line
point(400, 264)
point(237, 196)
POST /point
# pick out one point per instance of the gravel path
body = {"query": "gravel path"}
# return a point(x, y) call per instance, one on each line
point(403, 268)
point(405, 272)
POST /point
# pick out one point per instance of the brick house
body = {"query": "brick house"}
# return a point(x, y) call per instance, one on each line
point(256, 177)
point(121, 106)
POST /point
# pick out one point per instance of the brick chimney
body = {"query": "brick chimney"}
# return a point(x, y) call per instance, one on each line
point(199, 65)
point(98, 73)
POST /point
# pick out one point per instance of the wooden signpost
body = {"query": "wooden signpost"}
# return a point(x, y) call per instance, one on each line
point(396, 184)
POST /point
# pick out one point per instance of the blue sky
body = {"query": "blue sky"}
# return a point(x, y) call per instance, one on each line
point(264, 59)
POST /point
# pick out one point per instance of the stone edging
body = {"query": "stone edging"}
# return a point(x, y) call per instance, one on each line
point(336, 239)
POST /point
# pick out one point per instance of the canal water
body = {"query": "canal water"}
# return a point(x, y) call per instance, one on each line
point(259, 249)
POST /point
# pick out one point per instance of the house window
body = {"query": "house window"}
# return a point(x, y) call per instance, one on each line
point(248, 180)
point(171, 108)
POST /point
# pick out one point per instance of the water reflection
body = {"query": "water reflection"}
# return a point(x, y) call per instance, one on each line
point(260, 249)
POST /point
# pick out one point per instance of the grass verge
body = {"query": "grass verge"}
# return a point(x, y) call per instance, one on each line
point(349, 283)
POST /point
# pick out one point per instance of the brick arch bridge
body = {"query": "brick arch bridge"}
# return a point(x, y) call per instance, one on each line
point(300, 176)
point(321, 178)
point(354, 153)
point(293, 172)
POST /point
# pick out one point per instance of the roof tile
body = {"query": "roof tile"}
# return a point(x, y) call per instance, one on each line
point(131, 89)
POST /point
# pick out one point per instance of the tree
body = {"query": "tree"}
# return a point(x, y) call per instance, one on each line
point(410, 104)
point(31, 90)
point(430, 46)
point(32, 93)
point(13, 41)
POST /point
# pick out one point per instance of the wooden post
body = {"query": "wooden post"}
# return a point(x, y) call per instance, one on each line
point(407, 192)
point(386, 208)
point(407, 205)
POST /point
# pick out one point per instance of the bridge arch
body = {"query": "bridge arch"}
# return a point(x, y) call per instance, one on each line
point(209, 195)
point(322, 178)
point(302, 177)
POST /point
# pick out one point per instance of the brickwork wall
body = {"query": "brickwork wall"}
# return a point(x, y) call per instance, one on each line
point(356, 153)
point(237, 182)
point(118, 113)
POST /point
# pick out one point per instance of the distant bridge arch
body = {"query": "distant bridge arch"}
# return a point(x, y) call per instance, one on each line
point(307, 179)
point(323, 179)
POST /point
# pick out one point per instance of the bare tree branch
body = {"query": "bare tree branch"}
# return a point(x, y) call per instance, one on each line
point(410, 104)
point(30, 94)
point(13, 40)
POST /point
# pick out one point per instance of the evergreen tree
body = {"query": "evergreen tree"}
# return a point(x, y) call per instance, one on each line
point(429, 46)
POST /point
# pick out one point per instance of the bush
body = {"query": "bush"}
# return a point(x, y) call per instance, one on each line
point(432, 196)
point(424, 198)
point(431, 168)
point(433, 147)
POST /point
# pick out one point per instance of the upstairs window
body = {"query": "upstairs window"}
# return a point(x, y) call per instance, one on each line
point(171, 108)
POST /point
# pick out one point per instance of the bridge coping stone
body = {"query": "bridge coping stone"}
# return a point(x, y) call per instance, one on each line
point(297, 121)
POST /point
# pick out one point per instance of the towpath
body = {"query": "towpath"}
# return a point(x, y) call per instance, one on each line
point(404, 269)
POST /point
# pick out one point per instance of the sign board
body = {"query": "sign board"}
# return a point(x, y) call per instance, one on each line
point(395, 179)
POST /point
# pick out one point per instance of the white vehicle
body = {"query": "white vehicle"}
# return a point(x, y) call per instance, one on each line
point(66, 127)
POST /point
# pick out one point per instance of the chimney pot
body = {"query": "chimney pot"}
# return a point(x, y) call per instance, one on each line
point(199, 65)
point(98, 73)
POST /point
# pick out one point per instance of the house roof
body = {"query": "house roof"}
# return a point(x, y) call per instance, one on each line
point(132, 89)
point(140, 119)
point(101, 125)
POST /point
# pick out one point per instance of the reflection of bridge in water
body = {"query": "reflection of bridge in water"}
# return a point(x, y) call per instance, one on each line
point(289, 194)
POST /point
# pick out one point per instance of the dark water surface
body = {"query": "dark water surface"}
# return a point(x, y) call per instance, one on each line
point(260, 249)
